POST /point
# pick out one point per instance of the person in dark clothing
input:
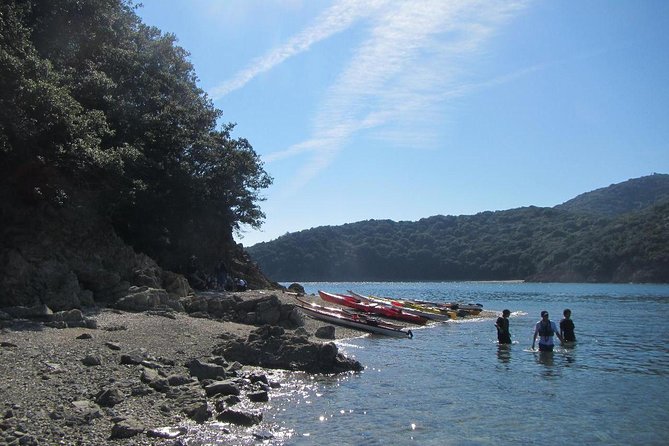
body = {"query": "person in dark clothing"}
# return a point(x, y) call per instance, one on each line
point(221, 276)
point(502, 324)
point(567, 327)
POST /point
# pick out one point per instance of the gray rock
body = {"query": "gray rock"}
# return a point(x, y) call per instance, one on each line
point(86, 408)
point(272, 347)
point(109, 397)
point(91, 361)
point(91, 323)
point(227, 387)
point(263, 435)
point(295, 318)
point(205, 370)
point(142, 299)
point(326, 332)
point(240, 417)
point(179, 380)
point(40, 311)
point(227, 401)
point(149, 277)
point(198, 411)
point(154, 380)
point(176, 285)
point(126, 429)
point(268, 311)
point(149, 375)
point(296, 288)
point(258, 396)
point(67, 316)
point(301, 331)
point(56, 324)
point(131, 359)
point(60, 285)
point(235, 367)
point(258, 378)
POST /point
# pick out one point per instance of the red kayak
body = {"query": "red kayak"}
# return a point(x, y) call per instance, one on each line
point(367, 307)
point(350, 318)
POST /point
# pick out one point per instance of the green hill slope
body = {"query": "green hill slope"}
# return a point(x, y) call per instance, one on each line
point(630, 196)
point(543, 244)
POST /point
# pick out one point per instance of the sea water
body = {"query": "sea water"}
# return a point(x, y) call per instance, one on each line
point(452, 384)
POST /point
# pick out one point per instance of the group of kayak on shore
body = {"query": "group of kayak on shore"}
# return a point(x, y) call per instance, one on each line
point(544, 329)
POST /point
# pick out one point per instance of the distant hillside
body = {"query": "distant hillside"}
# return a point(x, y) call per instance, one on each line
point(531, 243)
point(630, 196)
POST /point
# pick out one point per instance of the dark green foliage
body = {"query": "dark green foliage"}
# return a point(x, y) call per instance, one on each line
point(95, 104)
point(630, 196)
point(545, 244)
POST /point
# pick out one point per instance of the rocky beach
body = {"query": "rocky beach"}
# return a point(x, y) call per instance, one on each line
point(149, 375)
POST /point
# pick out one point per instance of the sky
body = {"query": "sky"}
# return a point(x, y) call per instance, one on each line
point(401, 110)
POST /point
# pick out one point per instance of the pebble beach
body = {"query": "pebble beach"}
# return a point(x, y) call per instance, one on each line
point(89, 386)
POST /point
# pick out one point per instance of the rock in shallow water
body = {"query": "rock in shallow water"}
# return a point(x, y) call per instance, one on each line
point(166, 432)
point(240, 417)
point(273, 347)
point(126, 428)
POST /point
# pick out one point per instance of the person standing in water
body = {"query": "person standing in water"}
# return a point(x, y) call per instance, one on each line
point(502, 324)
point(567, 327)
point(545, 329)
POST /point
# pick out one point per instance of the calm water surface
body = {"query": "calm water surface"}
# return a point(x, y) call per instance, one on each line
point(453, 385)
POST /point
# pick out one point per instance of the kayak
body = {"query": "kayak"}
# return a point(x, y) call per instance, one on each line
point(429, 311)
point(373, 307)
point(461, 308)
point(351, 319)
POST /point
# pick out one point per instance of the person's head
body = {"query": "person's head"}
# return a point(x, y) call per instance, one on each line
point(544, 314)
point(567, 313)
point(506, 313)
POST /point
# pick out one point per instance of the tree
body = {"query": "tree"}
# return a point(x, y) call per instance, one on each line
point(97, 106)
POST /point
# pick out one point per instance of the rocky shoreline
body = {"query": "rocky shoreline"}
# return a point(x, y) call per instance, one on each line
point(110, 376)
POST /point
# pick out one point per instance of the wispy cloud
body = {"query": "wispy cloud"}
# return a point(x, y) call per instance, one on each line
point(334, 20)
point(410, 63)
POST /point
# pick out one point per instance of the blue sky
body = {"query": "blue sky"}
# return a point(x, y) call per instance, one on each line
point(388, 109)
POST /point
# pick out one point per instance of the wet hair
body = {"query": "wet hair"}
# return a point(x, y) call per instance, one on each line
point(566, 311)
point(544, 313)
point(506, 312)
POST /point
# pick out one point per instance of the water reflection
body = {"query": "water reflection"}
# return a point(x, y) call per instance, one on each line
point(504, 353)
point(545, 358)
point(546, 361)
point(569, 353)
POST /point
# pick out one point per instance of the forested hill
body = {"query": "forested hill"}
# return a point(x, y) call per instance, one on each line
point(630, 196)
point(623, 237)
point(112, 157)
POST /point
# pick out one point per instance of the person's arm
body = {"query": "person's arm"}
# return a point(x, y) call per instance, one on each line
point(500, 324)
point(561, 331)
point(534, 339)
point(559, 335)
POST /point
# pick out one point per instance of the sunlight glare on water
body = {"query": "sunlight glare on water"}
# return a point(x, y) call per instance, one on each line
point(453, 385)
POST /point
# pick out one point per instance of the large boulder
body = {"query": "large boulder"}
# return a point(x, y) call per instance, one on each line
point(145, 298)
point(240, 417)
point(206, 370)
point(274, 347)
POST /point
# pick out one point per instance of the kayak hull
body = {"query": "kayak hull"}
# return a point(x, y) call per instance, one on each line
point(372, 307)
point(428, 311)
point(352, 320)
